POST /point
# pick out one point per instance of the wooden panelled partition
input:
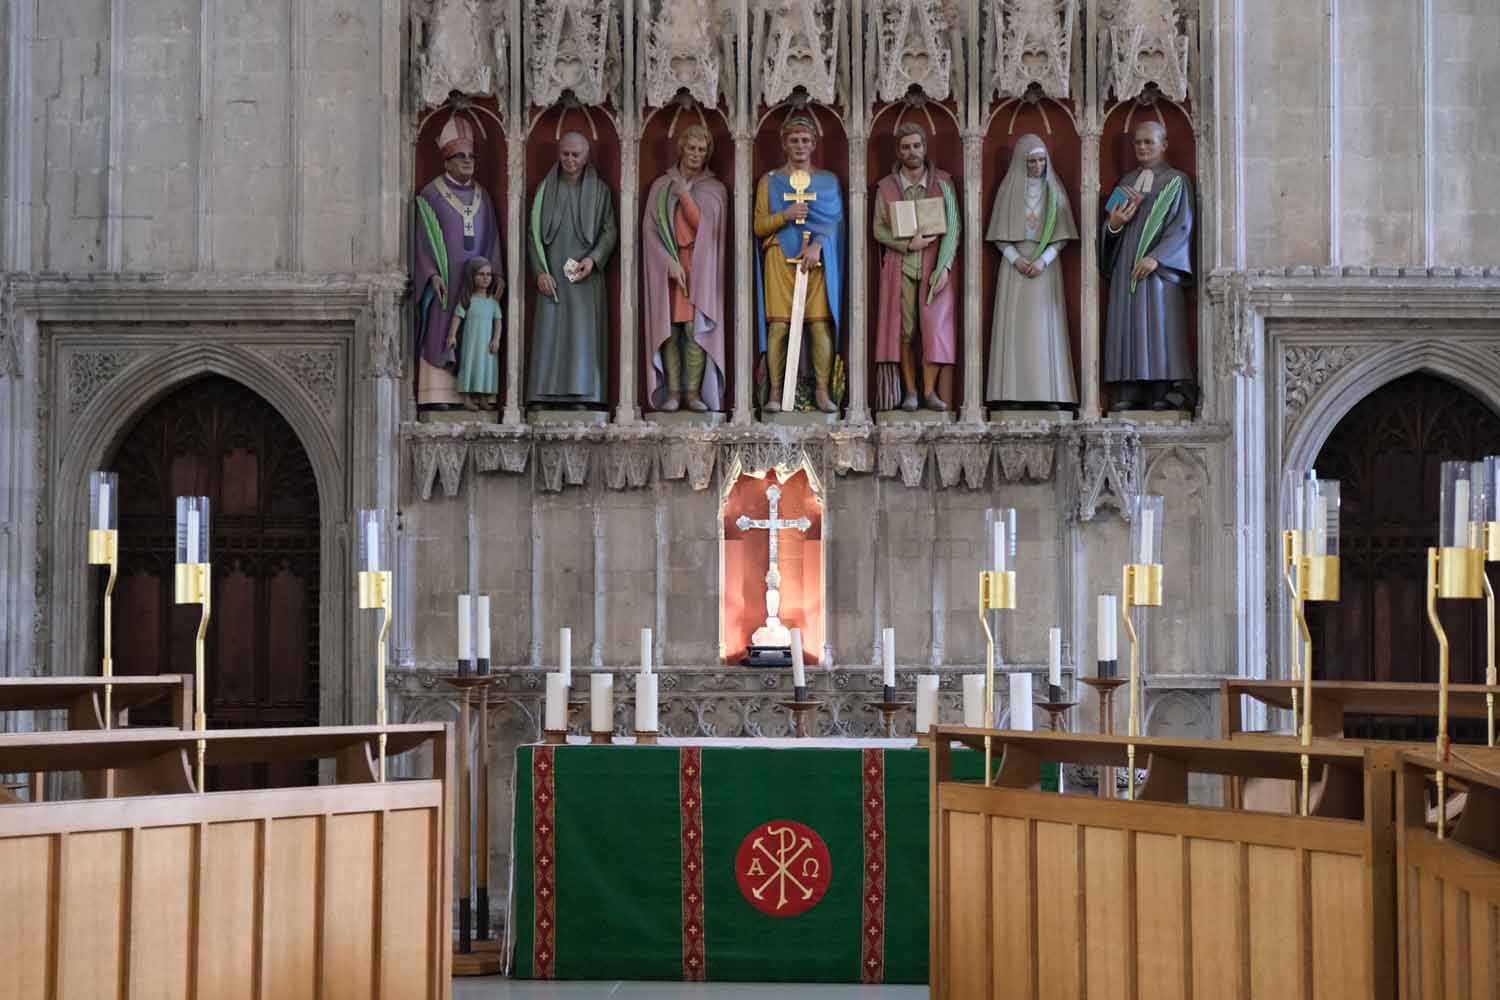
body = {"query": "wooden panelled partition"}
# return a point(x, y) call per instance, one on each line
point(330, 892)
point(1449, 907)
point(1040, 896)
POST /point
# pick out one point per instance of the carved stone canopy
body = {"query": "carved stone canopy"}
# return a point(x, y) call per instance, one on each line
point(1145, 42)
point(459, 45)
point(1029, 42)
point(797, 45)
point(689, 45)
point(913, 47)
point(574, 45)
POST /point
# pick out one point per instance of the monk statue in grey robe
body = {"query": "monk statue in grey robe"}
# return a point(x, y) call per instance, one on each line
point(570, 236)
point(1031, 362)
point(1145, 251)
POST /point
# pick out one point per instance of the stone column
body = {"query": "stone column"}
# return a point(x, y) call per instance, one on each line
point(630, 150)
point(515, 181)
point(857, 409)
point(975, 328)
point(744, 247)
point(1088, 243)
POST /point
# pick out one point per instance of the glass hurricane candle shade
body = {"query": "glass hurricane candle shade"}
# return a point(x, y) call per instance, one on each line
point(192, 530)
point(104, 501)
point(1145, 530)
point(1488, 472)
point(370, 525)
point(1460, 563)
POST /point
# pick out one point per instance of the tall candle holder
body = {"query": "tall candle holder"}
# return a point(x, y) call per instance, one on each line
point(1141, 586)
point(1317, 579)
point(194, 585)
point(375, 593)
point(997, 592)
point(104, 550)
point(1490, 537)
point(1291, 553)
point(1455, 571)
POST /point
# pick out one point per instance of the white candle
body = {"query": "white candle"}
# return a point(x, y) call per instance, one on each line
point(645, 651)
point(465, 629)
point(372, 544)
point(888, 650)
point(799, 670)
point(1107, 637)
point(602, 703)
point(1054, 657)
point(1148, 518)
point(1319, 543)
point(103, 524)
point(482, 632)
point(927, 701)
point(1020, 701)
point(192, 535)
point(557, 703)
point(645, 703)
point(565, 655)
point(974, 700)
point(1461, 513)
point(997, 543)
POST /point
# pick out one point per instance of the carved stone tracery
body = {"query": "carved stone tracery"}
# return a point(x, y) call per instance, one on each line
point(914, 46)
point(574, 45)
point(1029, 42)
point(1145, 42)
point(796, 44)
point(459, 45)
point(687, 44)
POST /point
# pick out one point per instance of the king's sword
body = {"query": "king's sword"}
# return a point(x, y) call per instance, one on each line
point(773, 633)
point(794, 331)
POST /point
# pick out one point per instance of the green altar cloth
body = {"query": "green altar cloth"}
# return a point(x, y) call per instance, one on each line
point(725, 863)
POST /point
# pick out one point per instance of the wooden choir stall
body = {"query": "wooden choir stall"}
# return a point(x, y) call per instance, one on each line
point(339, 889)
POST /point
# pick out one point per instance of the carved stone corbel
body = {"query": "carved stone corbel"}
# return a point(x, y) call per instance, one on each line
point(1028, 42)
point(906, 457)
point(968, 460)
point(1026, 458)
point(1145, 42)
point(852, 454)
point(628, 466)
point(574, 45)
point(913, 47)
point(1108, 466)
point(500, 456)
point(451, 456)
point(424, 467)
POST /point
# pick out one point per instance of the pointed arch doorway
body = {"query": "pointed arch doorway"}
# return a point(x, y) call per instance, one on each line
point(215, 437)
point(1387, 453)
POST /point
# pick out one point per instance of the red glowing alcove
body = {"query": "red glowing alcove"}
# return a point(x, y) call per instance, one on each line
point(747, 557)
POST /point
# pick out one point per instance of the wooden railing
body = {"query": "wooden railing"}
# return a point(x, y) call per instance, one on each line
point(1449, 890)
point(1039, 895)
point(338, 890)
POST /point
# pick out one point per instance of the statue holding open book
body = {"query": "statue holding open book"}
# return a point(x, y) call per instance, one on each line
point(917, 225)
point(1145, 251)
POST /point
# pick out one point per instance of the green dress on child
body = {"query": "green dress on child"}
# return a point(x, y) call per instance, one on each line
point(478, 369)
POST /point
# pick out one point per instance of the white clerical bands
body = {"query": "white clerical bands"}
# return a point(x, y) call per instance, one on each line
point(1047, 257)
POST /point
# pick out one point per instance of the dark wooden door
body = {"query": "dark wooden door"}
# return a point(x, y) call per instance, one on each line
point(216, 438)
point(1387, 454)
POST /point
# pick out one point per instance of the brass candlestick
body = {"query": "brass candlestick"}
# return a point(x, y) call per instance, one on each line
point(1317, 580)
point(1490, 535)
point(194, 586)
point(1105, 687)
point(1291, 552)
point(997, 592)
point(375, 593)
point(104, 550)
point(1141, 586)
point(1454, 573)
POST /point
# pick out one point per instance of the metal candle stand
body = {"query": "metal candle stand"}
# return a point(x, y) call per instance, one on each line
point(1105, 688)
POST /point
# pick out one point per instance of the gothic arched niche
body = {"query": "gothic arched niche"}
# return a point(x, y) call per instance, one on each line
point(747, 557)
point(1387, 453)
point(945, 150)
point(1052, 122)
point(215, 437)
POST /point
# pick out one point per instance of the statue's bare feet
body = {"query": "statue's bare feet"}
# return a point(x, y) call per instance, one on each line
point(824, 403)
point(910, 402)
point(695, 402)
point(935, 402)
point(673, 403)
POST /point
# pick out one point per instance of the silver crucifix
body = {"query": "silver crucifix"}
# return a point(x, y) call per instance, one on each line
point(772, 633)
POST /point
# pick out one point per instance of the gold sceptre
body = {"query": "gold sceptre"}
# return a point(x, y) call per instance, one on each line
point(1317, 580)
point(194, 586)
point(104, 550)
point(1490, 538)
point(1455, 570)
point(375, 592)
point(1140, 586)
point(997, 592)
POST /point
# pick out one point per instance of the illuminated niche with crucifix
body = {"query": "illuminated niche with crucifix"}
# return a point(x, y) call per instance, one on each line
point(772, 573)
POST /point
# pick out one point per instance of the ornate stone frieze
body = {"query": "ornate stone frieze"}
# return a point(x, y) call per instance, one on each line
point(1306, 369)
point(459, 45)
point(969, 460)
point(688, 44)
point(1145, 42)
point(1108, 463)
point(91, 371)
point(917, 43)
point(563, 463)
point(906, 458)
point(573, 45)
point(501, 456)
point(1026, 458)
point(315, 370)
point(1029, 42)
point(628, 466)
point(796, 43)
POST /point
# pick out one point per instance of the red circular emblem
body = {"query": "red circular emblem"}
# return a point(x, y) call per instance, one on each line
point(783, 868)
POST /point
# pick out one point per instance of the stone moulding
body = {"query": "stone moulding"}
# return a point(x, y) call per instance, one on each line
point(971, 456)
